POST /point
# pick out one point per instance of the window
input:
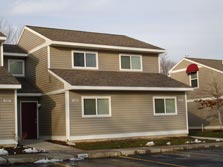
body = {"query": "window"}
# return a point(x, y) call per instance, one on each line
point(131, 62)
point(16, 67)
point(84, 60)
point(96, 107)
point(194, 79)
point(164, 105)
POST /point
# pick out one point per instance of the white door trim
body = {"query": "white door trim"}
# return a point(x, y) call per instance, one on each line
point(37, 117)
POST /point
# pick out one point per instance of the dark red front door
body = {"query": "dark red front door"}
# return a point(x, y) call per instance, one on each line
point(29, 120)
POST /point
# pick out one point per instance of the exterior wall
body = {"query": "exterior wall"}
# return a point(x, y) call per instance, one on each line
point(7, 116)
point(107, 61)
point(19, 99)
point(198, 117)
point(132, 112)
point(52, 116)
point(183, 64)
point(37, 72)
point(29, 41)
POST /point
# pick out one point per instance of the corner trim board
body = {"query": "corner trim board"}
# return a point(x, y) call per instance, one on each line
point(67, 114)
point(123, 135)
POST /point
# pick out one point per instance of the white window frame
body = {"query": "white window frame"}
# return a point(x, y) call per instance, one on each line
point(130, 55)
point(23, 67)
point(194, 79)
point(85, 52)
point(96, 97)
point(164, 98)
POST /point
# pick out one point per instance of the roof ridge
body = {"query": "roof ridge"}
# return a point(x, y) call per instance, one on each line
point(30, 26)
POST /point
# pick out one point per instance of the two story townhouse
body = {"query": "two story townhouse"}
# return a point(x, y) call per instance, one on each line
point(200, 74)
point(90, 86)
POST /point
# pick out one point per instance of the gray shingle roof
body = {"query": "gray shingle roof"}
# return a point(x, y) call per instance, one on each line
point(7, 78)
point(216, 64)
point(13, 49)
point(91, 38)
point(121, 79)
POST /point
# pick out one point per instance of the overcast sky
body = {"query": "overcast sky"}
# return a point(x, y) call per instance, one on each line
point(182, 27)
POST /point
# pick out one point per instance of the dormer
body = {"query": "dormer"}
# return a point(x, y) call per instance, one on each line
point(14, 59)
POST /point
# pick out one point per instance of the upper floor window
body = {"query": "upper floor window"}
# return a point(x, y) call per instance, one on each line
point(131, 62)
point(16, 67)
point(88, 60)
point(164, 105)
point(194, 79)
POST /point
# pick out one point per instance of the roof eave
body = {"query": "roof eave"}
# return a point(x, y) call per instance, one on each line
point(10, 86)
point(123, 88)
point(106, 47)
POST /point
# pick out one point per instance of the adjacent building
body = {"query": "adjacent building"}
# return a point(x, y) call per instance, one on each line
point(201, 74)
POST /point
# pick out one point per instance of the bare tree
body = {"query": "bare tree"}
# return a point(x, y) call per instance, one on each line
point(216, 102)
point(166, 64)
point(10, 31)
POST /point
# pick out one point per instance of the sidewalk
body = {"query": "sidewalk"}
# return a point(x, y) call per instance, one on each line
point(55, 151)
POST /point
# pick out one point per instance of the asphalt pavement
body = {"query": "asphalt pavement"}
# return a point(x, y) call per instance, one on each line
point(202, 157)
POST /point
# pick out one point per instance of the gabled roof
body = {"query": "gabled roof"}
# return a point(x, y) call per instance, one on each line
point(113, 79)
point(6, 78)
point(10, 48)
point(74, 36)
point(216, 64)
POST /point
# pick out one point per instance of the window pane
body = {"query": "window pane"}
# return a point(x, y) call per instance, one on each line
point(194, 83)
point(170, 106)
point(159, 106)
point(79, 59)
point(90, 60)
point(136, 64)
point(89, 107)
point(125, 62)
point(103, 106)
point(16, 67)
point(193, 75)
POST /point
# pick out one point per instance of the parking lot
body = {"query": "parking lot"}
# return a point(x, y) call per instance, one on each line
point(204, 157)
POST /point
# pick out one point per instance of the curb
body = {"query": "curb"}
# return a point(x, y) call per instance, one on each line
point(19, 159)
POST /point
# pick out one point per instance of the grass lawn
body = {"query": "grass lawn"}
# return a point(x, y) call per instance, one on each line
point(216, 134)
point(128, 143)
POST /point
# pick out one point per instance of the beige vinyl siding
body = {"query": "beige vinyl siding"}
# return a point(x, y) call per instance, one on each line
point(52, 115)
point(182, 65)
point(29, 41)
point(205, 116)
point(37, 72)
point(107, 60)
point(181, 76)
point(7, 115)
point(19, 111)
point(131, 112)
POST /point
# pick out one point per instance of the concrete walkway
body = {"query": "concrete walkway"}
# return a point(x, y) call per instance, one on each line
point(49, 147)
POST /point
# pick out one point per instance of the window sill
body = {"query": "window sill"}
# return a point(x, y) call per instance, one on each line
point(165, 114)
point(96, 116)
